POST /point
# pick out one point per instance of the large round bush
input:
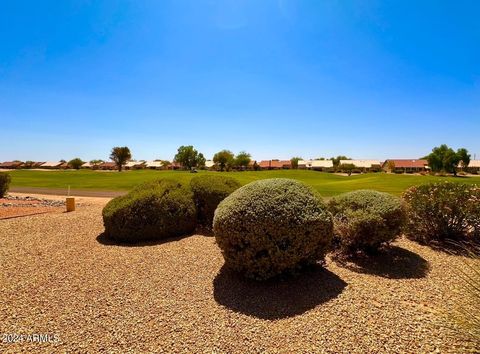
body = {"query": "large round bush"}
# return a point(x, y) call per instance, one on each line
point(208, 192)
point(152, 211)
point(441, 211)
point(4, 183)
point(366, 219)
point(271, 226)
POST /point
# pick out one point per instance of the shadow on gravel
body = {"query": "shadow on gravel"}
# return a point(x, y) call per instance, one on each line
point(276, 298)
point(204, 231)
point(464, 248)
point(391, 262)
point(104, 240)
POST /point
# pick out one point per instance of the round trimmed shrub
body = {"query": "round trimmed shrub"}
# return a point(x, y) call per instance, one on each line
point(4, 183)
point(271, 226)
point(364, 220)
point(152, 211)
point(208, 192)
point(442, 211)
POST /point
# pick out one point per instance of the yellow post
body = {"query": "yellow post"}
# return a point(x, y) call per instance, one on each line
point(70, 204)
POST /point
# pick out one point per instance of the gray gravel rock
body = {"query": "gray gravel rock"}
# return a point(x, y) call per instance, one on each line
point(21, 201)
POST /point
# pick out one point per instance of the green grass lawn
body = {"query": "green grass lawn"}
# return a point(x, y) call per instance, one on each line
point(327, 184)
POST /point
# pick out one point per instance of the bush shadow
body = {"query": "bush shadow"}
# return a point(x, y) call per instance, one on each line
point(390, 262)
point(276, 298)
point(464, 248)
point(204, 231)
point(104, 240)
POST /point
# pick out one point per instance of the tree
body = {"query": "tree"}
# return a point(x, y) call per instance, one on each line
point(96, 162)
point(243, 159)
point(336, 160)
point(120, 155)
point(166, 163)
point(76, 163)
point(224, 159)
point(391, 166)
point(464, 157)
point(347, 167)
point(28, 164)
point(444, 158)
point(201, 160)
point(188, 157)
point(451, 161)
point(294, 161)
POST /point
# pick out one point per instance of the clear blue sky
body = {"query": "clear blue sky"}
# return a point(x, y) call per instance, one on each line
point(280, 78)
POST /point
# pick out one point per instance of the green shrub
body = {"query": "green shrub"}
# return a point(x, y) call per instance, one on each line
point(152, 211)
point(441, 211)
point(271, 226)
point(4, 183)
point(364, 220)
point(208, 192)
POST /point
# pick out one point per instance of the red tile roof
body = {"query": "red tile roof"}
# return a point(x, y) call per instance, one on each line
point(405, 163)
point(281, 163)
point(11, 164)
point(275, 163)
point(107, 164)
point(264, 164)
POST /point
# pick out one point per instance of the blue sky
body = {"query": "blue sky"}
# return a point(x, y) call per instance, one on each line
point(279, 78)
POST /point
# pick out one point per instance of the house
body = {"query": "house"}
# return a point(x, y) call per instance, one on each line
point(37, 164)
point(154, 165)
point(364, 165)
point(317, 165)
point(135, 165)
point(107, 166)
point(275, 164)
point(304, 164)
point(53, 165)
point(11, 164)
point(265, 164)
point(175, 166)
point(93, 166)
point(474, 166)
point(209, 165)
point(32, 164)
point(405, 165)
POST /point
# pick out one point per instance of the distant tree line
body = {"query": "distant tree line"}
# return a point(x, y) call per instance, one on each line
point(442, 159)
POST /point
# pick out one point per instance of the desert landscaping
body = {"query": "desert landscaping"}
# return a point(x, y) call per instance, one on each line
point(236, 177)
point(60, 276)
point(65, 278)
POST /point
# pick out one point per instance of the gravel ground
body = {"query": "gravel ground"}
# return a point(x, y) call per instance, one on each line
point(21, 205)
point(62, 278)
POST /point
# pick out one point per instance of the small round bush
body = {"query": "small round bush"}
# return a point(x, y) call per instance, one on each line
point(4, 183)
point(364, 220)
point(272, 226)
point(442, 211)
point(208, 192)
point(152, 211)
